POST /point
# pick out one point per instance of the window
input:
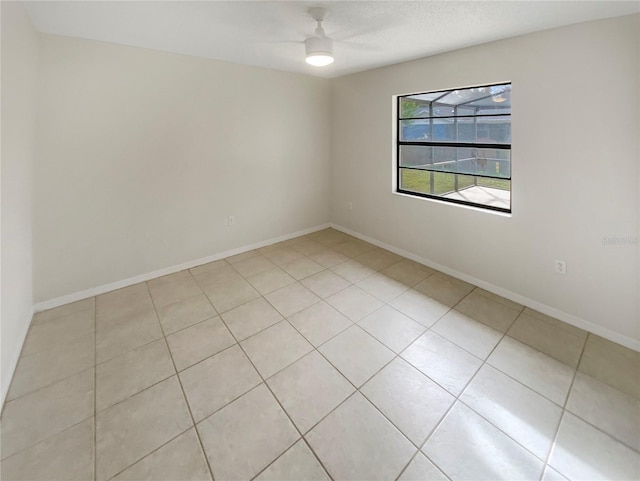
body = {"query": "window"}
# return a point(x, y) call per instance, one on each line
point(455, 146)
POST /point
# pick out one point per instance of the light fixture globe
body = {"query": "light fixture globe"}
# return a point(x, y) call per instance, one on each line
point(319, 51)
point(319, 47)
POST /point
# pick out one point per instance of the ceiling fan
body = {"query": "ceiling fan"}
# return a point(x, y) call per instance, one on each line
point(319, 47)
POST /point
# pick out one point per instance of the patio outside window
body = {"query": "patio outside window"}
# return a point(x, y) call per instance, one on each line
point(455, 146)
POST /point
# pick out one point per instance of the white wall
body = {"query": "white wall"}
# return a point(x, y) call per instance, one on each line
point(20, 46)
point(142, 155)
point(575, 128)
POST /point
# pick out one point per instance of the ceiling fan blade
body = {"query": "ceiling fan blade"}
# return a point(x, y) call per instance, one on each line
point(359, 45)
point(379, 27)
point(284, 42)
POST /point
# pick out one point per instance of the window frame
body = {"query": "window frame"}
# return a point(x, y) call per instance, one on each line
point(431, 143)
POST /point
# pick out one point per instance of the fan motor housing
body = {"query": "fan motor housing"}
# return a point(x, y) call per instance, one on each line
point(318, 46)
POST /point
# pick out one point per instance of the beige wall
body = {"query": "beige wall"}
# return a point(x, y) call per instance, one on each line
point(142, 155)
point(575, 124)
point(20, 46)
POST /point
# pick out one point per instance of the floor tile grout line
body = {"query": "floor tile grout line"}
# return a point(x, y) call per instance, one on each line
point(48, 438)
point(271, 463)
point(457, 399)
point(191, 325)
point(254, 387)
point(141, 346)
point(150, 342)
point(545, 397)
point(557, 430)
point(355, 387)
point(357, 390)
point(231, 332)
point(293, 313)
point(564, 411)
point(7, 400)
point(315, 348)
point(164, 335)
point(328, 339)
point(201, 293)
point(509, 302)
point(53, 381)
point(569, 333)
point(485, 361)
point(326, 468)
point(282, 318)
point(504, 334)
point(619, 441)
point(49, 385)
point(542, 460)
point(301, 439)
point(138, 347)
point(444, 416)
point(561, 327)
point(552, 448)
point(230, 402)
point(136, 393)
point(49, 349)
point(180, 371)
point(562, 407)
point(419, 451)
point(217, 410)
point(184, 396)
point(138, 461)
point(264, 381)
point(313, 451)
point(262, 294)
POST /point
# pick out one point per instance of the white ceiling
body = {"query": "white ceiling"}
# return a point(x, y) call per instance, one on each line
point(270, 34)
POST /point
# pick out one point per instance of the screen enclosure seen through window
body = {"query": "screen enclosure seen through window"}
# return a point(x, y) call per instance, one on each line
point(455, 145)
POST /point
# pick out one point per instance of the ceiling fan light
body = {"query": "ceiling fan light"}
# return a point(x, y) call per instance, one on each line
point(319, 60)
point(319, 51)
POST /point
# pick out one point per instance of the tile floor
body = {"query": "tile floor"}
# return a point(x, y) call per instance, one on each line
point(318, 358)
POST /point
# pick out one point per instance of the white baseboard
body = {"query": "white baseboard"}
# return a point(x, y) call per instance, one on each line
point(13, 361)
point(94, 291)
point(520, 299)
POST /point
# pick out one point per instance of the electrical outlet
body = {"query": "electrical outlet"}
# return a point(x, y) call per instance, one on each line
point(561, 267)
point(231, 220)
